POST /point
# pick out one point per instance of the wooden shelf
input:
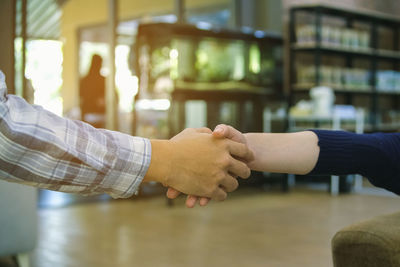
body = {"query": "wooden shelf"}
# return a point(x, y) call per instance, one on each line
point(337, 89)
point(389, 93)
point(304, 88)
point(348, 51)
point(229, 86)
point(389, 54)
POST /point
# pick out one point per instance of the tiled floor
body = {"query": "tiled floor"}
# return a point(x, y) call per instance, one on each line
point(251, 228)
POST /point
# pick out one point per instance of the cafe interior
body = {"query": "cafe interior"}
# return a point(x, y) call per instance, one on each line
point(154, 68)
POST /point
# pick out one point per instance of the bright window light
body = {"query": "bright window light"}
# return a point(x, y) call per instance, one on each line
point(127, 84)
point(153, 104)
point(44, 73)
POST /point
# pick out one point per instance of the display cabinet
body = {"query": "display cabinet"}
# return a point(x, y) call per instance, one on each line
point(195, 76)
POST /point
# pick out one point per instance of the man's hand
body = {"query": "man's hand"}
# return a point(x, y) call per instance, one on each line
point(198, 164)
point(221, 131)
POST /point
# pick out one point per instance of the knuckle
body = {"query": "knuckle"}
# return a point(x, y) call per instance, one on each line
point(219, 178)
point(225, 161)
point(244, 149)
point(217, 175)
point(246, 173)
point(224, 144)
point(204, 129)
point(209, 192)
point(235, 185)
point(217, 195)
point(214, 196)
point(222, 197)
point(215, 191)
point(212, 191)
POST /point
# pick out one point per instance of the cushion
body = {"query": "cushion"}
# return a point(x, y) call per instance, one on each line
point(375, 242)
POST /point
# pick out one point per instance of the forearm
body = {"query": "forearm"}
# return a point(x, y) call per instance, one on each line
point(47, 151)
point(318, 152)
point(295, 153)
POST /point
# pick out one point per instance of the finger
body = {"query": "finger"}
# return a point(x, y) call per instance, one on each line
point(203, 130)
point(219, 195)
point(239, 169)
point(204, 201)
point(220, 131)
point(191, 201)
point(172, 193)
point(229, 183)
point(240, 151)
point(229, 132)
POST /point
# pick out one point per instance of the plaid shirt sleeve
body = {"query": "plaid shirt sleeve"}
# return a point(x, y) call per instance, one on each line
point(41, 149)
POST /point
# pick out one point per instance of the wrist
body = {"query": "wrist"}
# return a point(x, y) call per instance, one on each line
point(160, 163)
point(260, 153)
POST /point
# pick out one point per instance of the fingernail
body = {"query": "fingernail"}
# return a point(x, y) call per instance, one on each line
point(218, 130)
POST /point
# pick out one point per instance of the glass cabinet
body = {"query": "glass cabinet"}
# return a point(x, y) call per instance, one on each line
point(190, 76)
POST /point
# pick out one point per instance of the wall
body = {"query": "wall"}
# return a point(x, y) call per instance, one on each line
point(81, 13)
point(261, 14)
point(7, 44)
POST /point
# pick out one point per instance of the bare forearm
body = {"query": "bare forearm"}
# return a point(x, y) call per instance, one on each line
point(295, 153)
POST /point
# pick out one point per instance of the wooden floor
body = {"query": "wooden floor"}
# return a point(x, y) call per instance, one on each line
point(249, 229)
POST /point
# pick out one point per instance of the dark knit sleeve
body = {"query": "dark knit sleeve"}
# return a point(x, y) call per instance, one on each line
point(375, 156)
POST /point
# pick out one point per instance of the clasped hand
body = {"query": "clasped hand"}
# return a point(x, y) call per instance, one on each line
point(221, 157)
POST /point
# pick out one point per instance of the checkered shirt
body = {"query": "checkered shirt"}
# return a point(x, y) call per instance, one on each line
point(41, 149)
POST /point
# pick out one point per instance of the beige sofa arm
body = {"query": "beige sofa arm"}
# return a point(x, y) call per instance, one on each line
point(375, 242)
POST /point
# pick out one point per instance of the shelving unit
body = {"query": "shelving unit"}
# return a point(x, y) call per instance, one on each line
point(327, 42)
point(231, 75)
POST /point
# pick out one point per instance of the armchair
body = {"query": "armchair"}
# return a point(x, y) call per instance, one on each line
point(372, 243)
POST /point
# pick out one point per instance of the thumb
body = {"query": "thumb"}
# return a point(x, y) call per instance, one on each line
point(229, 132)
point(220, 131)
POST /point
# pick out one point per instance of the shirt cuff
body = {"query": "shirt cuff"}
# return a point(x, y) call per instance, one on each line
point(335, 156)
point(130, 166)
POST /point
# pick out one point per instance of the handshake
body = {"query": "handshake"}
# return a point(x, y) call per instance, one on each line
point(201, 163)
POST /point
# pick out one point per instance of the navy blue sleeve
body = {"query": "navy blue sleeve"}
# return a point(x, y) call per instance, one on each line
point(375, 156)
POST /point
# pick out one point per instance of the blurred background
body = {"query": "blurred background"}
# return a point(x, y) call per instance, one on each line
point(154, 68)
